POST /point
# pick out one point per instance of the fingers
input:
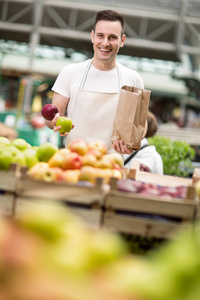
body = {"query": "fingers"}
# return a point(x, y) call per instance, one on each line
point(121, 148)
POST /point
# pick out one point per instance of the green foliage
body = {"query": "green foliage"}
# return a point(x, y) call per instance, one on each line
point(176, 155)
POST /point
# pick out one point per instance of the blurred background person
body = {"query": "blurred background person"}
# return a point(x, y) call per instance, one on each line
point(150, 160)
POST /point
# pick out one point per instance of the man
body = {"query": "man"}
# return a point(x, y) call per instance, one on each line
point(90, 90)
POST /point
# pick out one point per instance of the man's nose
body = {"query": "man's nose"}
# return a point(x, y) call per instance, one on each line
point(106, 41)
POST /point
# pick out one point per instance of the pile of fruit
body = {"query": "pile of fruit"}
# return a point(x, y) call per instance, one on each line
point(81, 161)
point(130, 185)
point(48, 253)
point(17, 152)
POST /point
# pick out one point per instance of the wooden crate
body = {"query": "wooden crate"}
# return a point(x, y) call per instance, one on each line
point(7, 203)
point(8, 183)
point(149, 216)
point(85, 201)
point(8, 179)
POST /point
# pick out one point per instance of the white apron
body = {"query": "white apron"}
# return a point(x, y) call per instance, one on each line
point(93, 114)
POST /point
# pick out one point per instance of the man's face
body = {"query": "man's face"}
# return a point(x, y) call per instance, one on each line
point(107, 40)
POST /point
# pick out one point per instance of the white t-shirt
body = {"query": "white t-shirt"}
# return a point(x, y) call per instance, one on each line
point(69, 80)
point(147, 156)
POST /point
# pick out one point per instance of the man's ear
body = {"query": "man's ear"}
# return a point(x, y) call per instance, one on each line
point(123, 41)
point(92, 35)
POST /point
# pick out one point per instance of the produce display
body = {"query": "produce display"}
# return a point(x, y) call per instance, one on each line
point(130, 185)
point(79, 162)
point(48, 253)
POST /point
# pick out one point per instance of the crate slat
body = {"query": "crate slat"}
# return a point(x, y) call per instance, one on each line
point(7, 202)
point(182, 208)
point(59, 191)
point(141, 226)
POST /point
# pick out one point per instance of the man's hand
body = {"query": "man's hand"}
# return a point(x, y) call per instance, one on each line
point(52, 125)
point(121, 148)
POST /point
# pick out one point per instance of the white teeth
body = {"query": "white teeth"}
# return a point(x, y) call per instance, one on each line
point(105, 50)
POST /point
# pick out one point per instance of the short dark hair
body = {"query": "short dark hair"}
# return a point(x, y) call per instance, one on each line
point(110, 15)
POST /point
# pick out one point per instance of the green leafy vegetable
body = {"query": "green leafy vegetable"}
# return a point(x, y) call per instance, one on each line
point(176, 155)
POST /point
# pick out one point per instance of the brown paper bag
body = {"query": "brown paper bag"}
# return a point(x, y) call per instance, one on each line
point(130, 117)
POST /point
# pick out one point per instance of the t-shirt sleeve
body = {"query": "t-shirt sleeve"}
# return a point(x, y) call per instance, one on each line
point(139, 82)
point(62, 83)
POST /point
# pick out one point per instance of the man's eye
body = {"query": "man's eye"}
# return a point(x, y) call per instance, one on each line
point(113, 37)
point(100, 35)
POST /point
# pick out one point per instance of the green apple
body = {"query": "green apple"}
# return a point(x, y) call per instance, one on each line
point(46, 151)
point(65, 123)
point(31, 157)
point(18, 158)
point(5, 159)
point(21, 144)
point(4, 141)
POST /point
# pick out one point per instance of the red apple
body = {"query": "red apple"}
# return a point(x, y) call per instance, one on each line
point(99, 145)
point(65, 123)
point(72, 161)
point(49, 111)
point(79, 146)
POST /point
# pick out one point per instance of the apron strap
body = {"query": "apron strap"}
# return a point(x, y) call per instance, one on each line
point(86, 72)
point(133, 154)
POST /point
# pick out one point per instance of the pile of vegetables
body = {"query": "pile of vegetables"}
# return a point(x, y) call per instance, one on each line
point(176, 155)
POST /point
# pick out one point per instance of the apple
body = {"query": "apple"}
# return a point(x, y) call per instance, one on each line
point(31, 157)
point(21, 144)
point(71, 176)
point(97, 153)
point(118, 158)
point(99, 145)
point(117, 174)
point(19, 158)
point(58, 158)
point(79, 146)
point(5, 159)
point(89, 160)
point(46, 151)
point(88, 173)
point(105, 163)
point(53, 174)
point(65, 123)
point(37, 171)
point(105, 174)
point(72, 161)
point(42, 171)
point(4, 141)
point(49, 111)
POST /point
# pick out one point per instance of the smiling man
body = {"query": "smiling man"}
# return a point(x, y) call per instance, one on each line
point(90, 90)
